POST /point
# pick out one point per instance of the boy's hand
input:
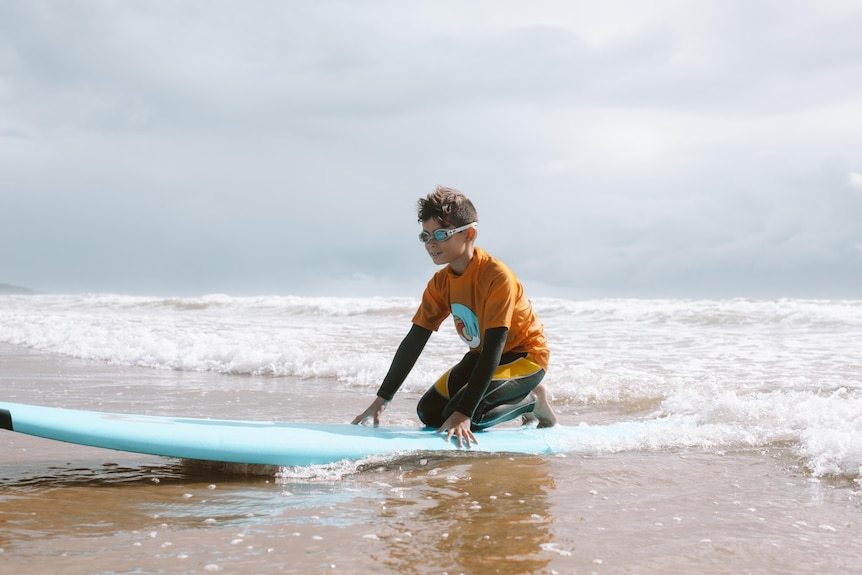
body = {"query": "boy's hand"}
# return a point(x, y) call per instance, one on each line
point(458, 425)
point(373, 412)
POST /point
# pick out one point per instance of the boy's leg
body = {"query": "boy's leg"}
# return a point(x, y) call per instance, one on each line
point(508, 395)
point(542, 410)
point(432, 407)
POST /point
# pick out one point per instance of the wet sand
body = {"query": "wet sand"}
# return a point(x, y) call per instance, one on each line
point(71, 509)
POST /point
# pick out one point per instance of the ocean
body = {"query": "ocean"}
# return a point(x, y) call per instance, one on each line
point(760, 474)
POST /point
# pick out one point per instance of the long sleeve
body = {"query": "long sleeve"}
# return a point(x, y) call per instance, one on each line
point(405, 358)
point(480, 379)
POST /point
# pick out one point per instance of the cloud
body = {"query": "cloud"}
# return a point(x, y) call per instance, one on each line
point(856, 180)
point(612, 148)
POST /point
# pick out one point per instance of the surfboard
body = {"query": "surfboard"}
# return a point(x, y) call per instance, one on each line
point(281, 443)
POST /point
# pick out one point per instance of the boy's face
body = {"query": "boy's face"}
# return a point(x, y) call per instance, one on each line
point(456, 251)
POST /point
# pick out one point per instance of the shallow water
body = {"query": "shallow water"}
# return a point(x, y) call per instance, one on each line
point(764, 482)
point(638, 513)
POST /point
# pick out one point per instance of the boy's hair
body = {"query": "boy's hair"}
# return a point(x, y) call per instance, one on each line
point(448, 207)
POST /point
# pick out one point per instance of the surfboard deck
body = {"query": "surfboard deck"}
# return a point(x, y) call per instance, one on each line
point(276, 443)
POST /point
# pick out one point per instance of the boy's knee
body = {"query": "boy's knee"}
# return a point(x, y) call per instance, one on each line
point(430, 409)
point(430, 419)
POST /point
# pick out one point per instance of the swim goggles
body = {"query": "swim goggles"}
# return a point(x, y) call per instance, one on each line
point(444, 234)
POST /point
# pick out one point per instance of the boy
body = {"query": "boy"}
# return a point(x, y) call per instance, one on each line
point(500, 377)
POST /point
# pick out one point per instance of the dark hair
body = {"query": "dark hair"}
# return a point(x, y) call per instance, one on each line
point(447, 206)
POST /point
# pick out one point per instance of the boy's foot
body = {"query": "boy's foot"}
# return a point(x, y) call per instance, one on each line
point(543, 412)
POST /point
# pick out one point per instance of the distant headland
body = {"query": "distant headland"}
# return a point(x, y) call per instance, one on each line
point(7, 289)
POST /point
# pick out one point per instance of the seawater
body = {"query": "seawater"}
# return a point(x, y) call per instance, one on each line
point(738, 372)
point(748, 458)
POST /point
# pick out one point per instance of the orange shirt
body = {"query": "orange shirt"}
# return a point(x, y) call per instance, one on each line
point(488, 294)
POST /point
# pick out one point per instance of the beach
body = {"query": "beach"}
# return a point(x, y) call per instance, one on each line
point(762, 481)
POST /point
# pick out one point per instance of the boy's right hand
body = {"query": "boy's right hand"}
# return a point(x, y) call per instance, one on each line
point(373, 412)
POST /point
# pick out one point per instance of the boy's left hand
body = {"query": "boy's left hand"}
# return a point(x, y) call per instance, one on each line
point(458, 425)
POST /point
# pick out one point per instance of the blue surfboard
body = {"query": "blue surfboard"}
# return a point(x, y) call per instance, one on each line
point(282, 443)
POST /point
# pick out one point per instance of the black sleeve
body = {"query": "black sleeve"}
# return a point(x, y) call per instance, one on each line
point(480, 379)
point(405, 358)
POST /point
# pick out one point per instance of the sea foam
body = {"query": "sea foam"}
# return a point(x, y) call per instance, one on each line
point(745, 372)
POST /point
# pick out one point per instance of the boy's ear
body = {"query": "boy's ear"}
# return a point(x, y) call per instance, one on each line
point(472, 233)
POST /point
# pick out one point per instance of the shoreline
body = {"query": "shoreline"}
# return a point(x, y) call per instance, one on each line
point(648, 511)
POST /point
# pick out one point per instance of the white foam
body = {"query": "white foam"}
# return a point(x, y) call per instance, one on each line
point(744, 372)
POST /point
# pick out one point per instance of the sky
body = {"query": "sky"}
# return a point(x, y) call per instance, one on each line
point(694, 149)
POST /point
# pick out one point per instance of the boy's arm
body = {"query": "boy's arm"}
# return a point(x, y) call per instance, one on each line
point(483, 372)
point(405, 358)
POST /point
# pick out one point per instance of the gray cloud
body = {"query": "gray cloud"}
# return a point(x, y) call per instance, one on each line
point(675, 149)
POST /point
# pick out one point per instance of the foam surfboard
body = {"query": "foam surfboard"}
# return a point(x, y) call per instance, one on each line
point(282, 443)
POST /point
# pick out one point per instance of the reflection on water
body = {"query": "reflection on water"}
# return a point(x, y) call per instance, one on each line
point(472, 513)
point(426, 514)
point(105, 498)
point(477, 515)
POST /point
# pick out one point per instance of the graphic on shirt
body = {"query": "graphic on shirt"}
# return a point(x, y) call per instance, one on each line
point(467, 325)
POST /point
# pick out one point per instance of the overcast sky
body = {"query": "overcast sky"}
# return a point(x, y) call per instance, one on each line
point(614, 148)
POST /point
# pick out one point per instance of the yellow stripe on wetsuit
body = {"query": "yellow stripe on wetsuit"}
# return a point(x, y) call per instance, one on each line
point(521, 367)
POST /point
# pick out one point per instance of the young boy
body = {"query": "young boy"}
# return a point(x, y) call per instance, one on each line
point(500, 377)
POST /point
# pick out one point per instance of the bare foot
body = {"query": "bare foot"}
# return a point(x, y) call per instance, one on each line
point(528, 419)
point(543, 410)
